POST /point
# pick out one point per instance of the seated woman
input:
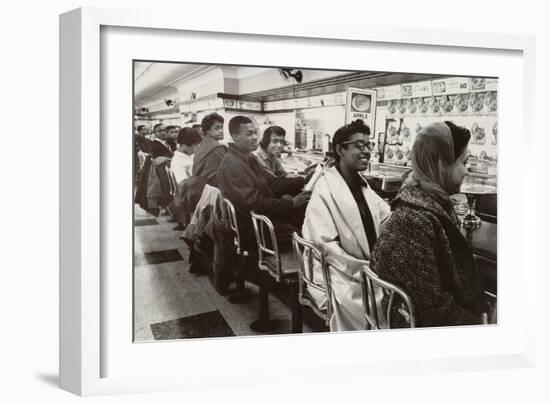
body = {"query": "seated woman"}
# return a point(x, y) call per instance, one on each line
point(345, 216)
point(181, 166)
point(270, 150)
point(210, 153)
point(269, 156)
point(421, 248)
point(182, 163)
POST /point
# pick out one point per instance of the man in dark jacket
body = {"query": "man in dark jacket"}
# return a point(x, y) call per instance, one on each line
point(242, 180)
point(160, 148)
point(142, 142)
point(209, 154)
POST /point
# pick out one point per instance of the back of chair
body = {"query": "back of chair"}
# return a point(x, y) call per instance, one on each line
point(171, 180)
point(268, 249)
point(230, 211)
point(490, 317)
point(174, 183)
point(370, 282)
point(307, 254)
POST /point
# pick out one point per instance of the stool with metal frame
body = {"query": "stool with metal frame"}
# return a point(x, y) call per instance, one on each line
point(307, 255)
point(491, 316)
point(242, 295)
point(370, 282)
point(284, 273)
point(171, 181)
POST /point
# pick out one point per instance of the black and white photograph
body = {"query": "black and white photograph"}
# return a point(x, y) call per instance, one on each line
point(293, 201)
point(279, 200)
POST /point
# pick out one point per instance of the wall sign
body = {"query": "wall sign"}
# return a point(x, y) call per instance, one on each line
point(361, 104)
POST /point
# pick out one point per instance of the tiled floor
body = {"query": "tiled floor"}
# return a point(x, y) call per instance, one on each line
point(209, 324)
point(171, 303)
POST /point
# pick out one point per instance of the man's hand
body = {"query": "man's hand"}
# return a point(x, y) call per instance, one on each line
point(301, 199)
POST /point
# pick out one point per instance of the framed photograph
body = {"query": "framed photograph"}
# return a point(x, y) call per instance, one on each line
point(123, 69)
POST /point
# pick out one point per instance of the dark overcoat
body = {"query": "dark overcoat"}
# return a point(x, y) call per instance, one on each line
point(422, 250)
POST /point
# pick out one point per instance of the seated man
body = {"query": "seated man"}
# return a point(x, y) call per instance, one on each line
point(242, 180)
point(172, 132)
point(210, 153)
point(160, 147)
point(143, 141)
point(206, 161)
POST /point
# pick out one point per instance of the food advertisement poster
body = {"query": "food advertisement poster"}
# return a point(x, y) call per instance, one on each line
point(361, 104)
point(469, 102)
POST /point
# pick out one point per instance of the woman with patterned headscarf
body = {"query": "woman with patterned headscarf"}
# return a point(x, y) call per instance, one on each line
point(422, 249)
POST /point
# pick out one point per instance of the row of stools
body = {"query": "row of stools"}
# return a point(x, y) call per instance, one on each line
point(294, 272)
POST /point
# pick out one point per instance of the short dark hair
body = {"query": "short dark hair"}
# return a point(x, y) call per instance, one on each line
point(188, 136)
point(345, 132)
point(270, 131)
point(236, 122)
point(461, 137)
point(141, 127)
point(209, 120)
point(157, 125)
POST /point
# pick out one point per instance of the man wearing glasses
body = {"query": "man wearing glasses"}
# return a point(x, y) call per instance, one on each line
point(160, 147)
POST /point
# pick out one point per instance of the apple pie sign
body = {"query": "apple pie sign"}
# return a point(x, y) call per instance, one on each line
point(361, 104)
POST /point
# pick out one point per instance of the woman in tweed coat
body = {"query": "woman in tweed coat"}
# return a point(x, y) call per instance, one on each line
point(421, 248)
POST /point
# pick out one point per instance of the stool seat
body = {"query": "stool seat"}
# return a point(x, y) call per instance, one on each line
point(281, 266)
point(289, 269)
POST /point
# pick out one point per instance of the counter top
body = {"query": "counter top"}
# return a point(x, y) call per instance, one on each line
point(299, 161)
point(483, 240)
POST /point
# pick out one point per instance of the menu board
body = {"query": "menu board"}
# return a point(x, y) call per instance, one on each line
point(480, 84)
point(423, 89)
point(305, 103)
point(455, 85)
point(392, 92)
point(467, 101)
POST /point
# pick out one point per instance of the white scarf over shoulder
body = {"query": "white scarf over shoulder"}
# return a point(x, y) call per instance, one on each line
point(333, 221)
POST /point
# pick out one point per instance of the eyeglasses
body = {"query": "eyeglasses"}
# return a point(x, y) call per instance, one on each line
point(360, 144)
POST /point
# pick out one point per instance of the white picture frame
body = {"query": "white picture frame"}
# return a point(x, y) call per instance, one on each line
point(84, 192)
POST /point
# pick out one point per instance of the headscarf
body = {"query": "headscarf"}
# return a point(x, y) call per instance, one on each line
point(432, 158)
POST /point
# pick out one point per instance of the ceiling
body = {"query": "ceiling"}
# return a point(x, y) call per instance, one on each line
point(152, 79)
point(155, 80)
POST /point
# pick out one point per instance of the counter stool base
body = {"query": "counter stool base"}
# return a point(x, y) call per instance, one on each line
point(241, 298)
point(242, 294)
